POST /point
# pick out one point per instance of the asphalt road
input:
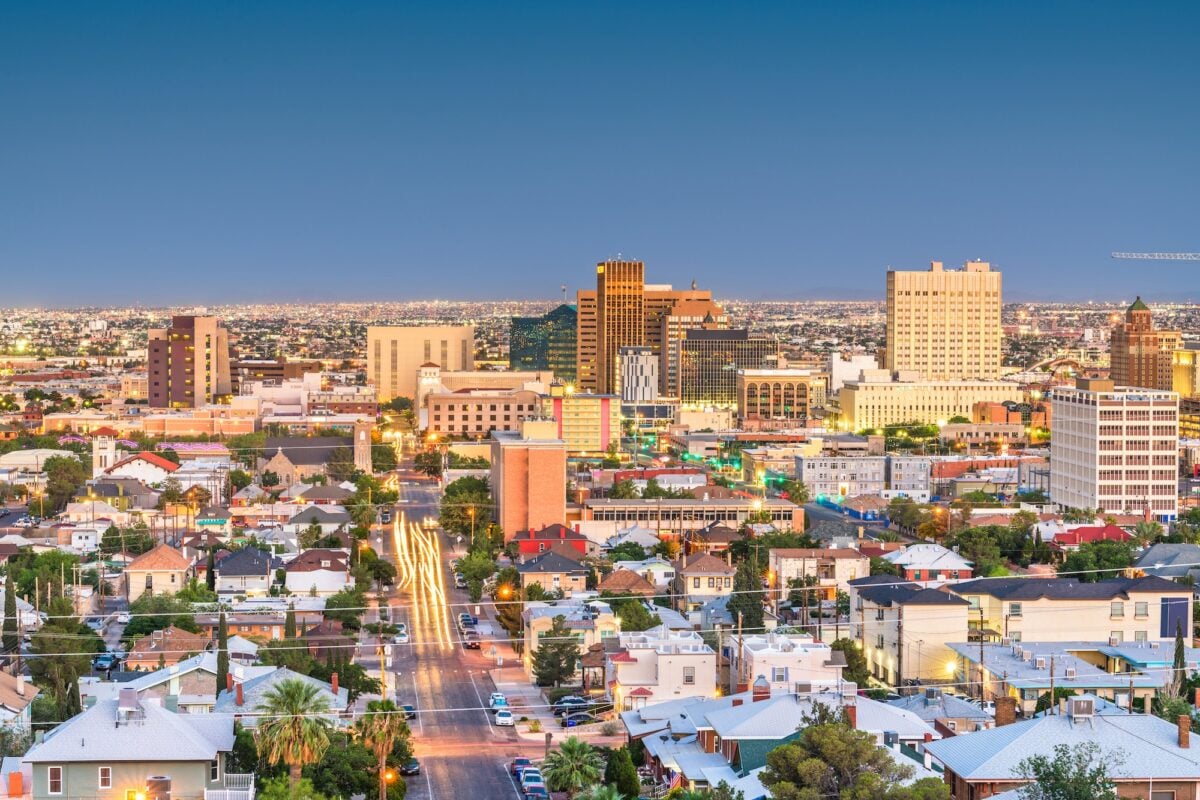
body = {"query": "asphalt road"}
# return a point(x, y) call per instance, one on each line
point(461, 752)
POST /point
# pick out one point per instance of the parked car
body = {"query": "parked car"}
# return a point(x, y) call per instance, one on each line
point(505, 717)
point(402, 627)
point(460, 582)
point(519, 765)
point(411, 767)
point(400, 638)
point(497, 700)
point(95, 623)
point(105, 661)
point(569, 704)
point(531, 776)
point(577, 719)
point(123, 618)
point(385, 516)
point(537, 791)
point(409, 711)
point(471, 640)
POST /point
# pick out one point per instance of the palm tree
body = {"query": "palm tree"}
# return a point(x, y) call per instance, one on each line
point(574, 765)
point(609, 792)
point(292, 729)
point(378, 730)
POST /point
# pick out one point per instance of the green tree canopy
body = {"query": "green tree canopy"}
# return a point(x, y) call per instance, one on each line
point(1096, 561)
point(1071, 773)
point(556, 655)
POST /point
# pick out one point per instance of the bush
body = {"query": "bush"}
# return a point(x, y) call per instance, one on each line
point(610, 728)
point(535, 726)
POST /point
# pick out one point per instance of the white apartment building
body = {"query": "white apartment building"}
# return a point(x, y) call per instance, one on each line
point(842, 476)
point(880, 398)
point(833, 568)
point(785, 660)
point(638, 375)
point(1115, 449)
point(658, 664)
point(909, 474)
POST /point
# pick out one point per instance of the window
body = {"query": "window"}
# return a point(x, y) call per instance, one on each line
point(1140, 637)
point(879, 640)
point(778, 674)
point(1141, 610)
point(1168, 794)
point(105, 778)
point(1116, 609)
point(951, 724)
point(1116, 636)
point(1014, 609)
point(712, 583)
point(695, 583)
point(214, 770)
point(54, 780)
point(689, 676)
point(973, 603)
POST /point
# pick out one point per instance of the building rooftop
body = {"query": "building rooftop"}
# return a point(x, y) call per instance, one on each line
point(1067, 588)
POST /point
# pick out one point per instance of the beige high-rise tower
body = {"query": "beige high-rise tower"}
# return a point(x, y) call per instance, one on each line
point(944, 324)
point(395, 354)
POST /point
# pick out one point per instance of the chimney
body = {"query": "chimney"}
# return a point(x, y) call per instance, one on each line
point(729, 557)
point(1196, 699)
point(761, 690)
point(241, 700)
point(737, 701)
point(928, 738)
point(21, 685)
point(683, 562)
point(333, 679)
point(852, 714)
point(1006, 710)
point(562, 532)
point(228, 682)
point(577, 527)
point(1185, 731)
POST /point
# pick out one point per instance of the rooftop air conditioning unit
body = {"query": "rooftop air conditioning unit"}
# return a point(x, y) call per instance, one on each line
point(1081, 709)
point(1040, 663)
point(1113, 641)
point(1006, 642)
point(1070, 673)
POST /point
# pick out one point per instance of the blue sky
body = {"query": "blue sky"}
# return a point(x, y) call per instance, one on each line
point(219, 151)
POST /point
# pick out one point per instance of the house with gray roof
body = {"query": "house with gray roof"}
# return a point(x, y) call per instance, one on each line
point(949, 715)
point(247, 572)
point(1172, 561)
point(244, 700)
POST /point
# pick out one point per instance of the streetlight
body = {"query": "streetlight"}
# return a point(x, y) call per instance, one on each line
point(471, 514)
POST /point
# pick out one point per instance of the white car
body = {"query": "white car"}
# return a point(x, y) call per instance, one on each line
point(505, 717)
point(400, 638)
point(123, 618)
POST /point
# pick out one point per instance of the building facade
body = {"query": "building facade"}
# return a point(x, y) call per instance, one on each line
point(1139, 354)
point(781, 394)
point(545, 342)
point(528, 477)
point(944, 324)
point(188, 363)
point(476, 413)
point(394, 354)
point(709, 361)
point(877, 400)
point(588, 423)
point(837, 477)
point(638, 375)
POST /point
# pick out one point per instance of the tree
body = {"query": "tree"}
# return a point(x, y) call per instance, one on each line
point(269, 479)
point(222, 653)
point(286, 789)
point(557, 652)
point(1023, 521)
point(379, 729)
point(475, 569)
point(573, 766)
point(723, 791)
point(466, 505)
point(1071, 773)
point(602, 792)
point(747, 597)
point(239, 479)
point(171, 492)
point(292, 730)
point(627, 551)
point(856, 663)
point(60, 655)
point(1147, 532)
point(428, 462)
point(340, 466)
point(311, 534)
point(383, 458)
point(1095, 561)
point(978, 546)
point(11, 639)
point(632, 613)
point(623, 490)
point(210, 570)
point(64, 477)
point(796, 491)
point(289, 622)
point(620, 773)
point(151, 613)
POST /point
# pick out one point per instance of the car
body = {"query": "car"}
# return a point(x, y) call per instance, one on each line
point(460, 582)
point(505, 717)
point(410, 712)
point(104, 662)
point(497, 700)
point(577, 719)
point(569, 705)
point(464, 617)
point(402, 627)
point(519, 765)
point(123, 618)
point(95, 623)
point(537, 791)
point(385, 517)
point(411, 767)
point(471, 640)
point(531, 776)
point(400, 638)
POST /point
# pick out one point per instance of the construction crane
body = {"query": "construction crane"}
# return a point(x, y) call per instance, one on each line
point(1159, 256)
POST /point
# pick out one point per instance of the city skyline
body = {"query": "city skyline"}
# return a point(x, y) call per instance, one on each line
point(792, 153)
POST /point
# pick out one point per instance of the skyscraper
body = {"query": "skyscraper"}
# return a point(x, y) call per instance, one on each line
point(188, 363)
point(1141, 355)
point(944, 324)
point(545, 342)
point(709, 361)
point(394, 354)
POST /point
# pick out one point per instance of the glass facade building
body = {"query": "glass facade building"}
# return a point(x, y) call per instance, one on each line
point(545, 342)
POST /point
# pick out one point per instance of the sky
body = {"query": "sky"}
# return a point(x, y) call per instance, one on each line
point(201, 152)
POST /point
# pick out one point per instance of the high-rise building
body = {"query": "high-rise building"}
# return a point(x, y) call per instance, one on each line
point(188, 363)
point(710, 359)
point(1140, 355)
point(944, 324)
point(394, 354)
point(1185, 372)
point(623, 311)
point(684, 315)
point(528, 477)
point(1115, 449)
point(639, 375)
point(545, 342)
point(588, 423)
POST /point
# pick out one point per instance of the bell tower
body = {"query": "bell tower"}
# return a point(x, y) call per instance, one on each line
point(362, 445)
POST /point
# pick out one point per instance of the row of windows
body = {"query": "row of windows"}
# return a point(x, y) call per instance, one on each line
point(104, 779)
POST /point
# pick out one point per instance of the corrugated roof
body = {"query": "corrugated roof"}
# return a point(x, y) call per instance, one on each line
point(163, 557)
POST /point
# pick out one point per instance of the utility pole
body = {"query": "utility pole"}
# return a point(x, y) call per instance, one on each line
point(1053, 701)
point(740, 651)
point(981, 673)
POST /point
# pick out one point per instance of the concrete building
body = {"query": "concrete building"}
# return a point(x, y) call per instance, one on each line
point(1115, 449)
point(909, 475)
point(784, 660)
point(683, 316)
point(780, 394)
point(476, 413)
point(394, 354)
point(709, 361)
point(832, 568)
point(700, 580)
point(671, 517)
point(528, 477)
point(1141, 355)
point(162, 570)
point(545, 343)
point(188, 363)
point(879, 399)
point(591, 621)
point(836, 477)
point(638, 375)
point(1185, 372)
point(944, 324)
point(659, 664)
point(905, 630)
point(842, 369)
point(588, 423)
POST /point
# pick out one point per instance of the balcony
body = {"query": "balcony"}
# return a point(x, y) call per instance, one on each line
point(237, 787)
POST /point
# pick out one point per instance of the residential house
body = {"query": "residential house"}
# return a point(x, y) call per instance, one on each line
point(949, 715)
point(162, 570)
point(532, 542)
point(123, 494)
point(624, 581)
point(247, 572)
point(189, 686)
point(642, 537)
point(148, 468)
point(657, 665)
point(324, 495)
point(906, 629)
point(243, 700)
point(701, 579)
point(831, 569)
point(1171, 561)
point(96, 513)
point(926, 561)
point(214, 519)
point(555, 571)
point(295, 459)
point(1072, 539)
point(1145, 756)
point(118, 747)
point(319, 572)
point(713, 539)
point(1138, 610)
point(656, 570)
point(165, 648)
point(785, 661)
point(253, 625)
point(16, 697)
point(329, 518)
point(590, 622)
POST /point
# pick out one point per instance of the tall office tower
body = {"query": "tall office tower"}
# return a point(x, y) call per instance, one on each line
point(639, 375)
point(944, 324)
point(1115, 449)
point(545, 342)
point(188, 363)
point(1140, 354)
point(395, 354)
point(685, 315)
point(709, 361)
point(587, 340)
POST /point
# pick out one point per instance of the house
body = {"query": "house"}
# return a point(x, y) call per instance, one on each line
point(866, 506)
point(247, 572)
point(249, 495)
point(149, 468)
point(319, 572)
point(324, 495)
point(124, 494)
point(555, 571)
point(905, 629)
point(165, 648)
point(1145, 756)
point(162, 570)
point(948, 714)
point(698, 580)
point(326, 638)
point(624, 581)
point(657, 665)
point(214, 519)
point(295, 459)
point(591, 622)
point(1138, 610)
point(1171, 561)
point(118, 747)
point(832, 569)
point(532, 542)
point(189, 686)
point(16, 698)
point(1070, 540)
point(95, 512)
point(642, 537)
point(784, 660)
point(253, 625)
point(930, 562)
point(714, 538)
point(329, 518)
point(245, 697)
point(656, 570)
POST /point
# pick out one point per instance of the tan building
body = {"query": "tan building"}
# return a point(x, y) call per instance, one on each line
point(833, 569)
point(657, 665)
point(1185, 372)
point(590, 624)
point(557, 570)
point(588, 423)
point(162, 570)
point(1140, 354)
point(475, 413)
point(781, 394)
point(944, 324)
point(394, 354)
point(684, 316)
point(165, 648)
point(877, 400)
point(699, 580)
point(529, 477)
point(188, 363)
